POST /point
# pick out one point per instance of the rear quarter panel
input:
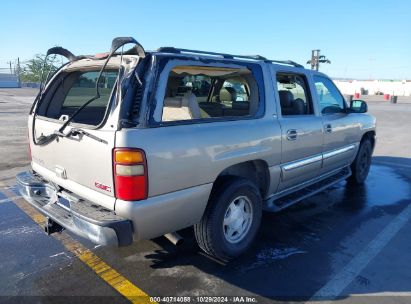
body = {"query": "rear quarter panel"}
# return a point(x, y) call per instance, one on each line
point(184, 156)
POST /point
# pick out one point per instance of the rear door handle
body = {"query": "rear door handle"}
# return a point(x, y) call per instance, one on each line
point(292, 134)
point(328, 128)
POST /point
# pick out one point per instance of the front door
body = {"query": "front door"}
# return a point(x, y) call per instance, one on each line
point(340, 128)
point(301, 131)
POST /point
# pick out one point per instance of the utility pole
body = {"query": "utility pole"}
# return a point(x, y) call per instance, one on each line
point(11, 70)
point(316, 59)
point(18, 72)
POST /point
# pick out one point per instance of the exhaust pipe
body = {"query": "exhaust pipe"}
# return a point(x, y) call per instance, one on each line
point(174, 238)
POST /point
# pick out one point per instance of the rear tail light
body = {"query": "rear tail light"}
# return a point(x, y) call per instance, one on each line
point(130, 174)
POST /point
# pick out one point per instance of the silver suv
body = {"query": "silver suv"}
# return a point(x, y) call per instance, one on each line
point(131, 145)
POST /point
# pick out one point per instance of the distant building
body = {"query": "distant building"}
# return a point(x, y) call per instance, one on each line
point(8, 81)
point(374, 87)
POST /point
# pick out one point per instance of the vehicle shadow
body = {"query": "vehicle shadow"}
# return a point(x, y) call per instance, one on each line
point(299, 249)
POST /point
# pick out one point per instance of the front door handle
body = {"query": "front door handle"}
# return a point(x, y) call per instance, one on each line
point(328, 128)
point(292, 134)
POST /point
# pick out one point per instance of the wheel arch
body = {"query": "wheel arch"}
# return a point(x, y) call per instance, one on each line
point(371, 136)
point(253, 170)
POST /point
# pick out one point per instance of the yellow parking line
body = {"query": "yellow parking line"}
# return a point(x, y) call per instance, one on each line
point(104, 271)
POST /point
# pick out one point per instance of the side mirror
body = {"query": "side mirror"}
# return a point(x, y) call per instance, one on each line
point(358, 106)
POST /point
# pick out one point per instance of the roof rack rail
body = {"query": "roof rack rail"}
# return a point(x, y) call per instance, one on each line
point(168, 49)
point(287, 62)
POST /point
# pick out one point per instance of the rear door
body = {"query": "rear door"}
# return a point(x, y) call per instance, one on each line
point(341, 129)
point(301, 129)
point(80, 163)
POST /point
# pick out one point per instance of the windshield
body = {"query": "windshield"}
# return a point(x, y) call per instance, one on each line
point(72, 90)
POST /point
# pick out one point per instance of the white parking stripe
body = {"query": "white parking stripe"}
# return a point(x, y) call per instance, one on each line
point(342, 279)
point(9, 199)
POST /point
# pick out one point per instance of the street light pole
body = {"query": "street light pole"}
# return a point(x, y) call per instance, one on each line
point(316, 59)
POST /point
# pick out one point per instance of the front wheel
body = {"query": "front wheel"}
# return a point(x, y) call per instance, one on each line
point(361, 165)
point(231, 220)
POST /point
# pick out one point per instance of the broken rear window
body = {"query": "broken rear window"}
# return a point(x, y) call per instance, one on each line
point(73, 90)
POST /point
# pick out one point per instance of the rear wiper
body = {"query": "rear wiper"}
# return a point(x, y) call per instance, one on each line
point(77, 131)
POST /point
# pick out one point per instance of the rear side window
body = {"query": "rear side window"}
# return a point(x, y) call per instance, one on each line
point(293, 91)
point(330, 98)
point(197, 84)
point(203, 92)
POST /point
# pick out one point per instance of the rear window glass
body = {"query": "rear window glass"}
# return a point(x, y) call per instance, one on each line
point(73, 89)
point(84, 88)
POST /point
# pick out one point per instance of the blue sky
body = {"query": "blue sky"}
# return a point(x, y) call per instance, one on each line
point(363, 39)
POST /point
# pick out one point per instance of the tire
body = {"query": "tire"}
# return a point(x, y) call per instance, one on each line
point(236, 204)
point(361, 165)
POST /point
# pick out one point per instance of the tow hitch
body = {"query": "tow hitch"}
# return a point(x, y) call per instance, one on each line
point(52, 227)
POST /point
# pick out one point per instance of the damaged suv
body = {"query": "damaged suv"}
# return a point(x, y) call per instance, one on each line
point(132, 145)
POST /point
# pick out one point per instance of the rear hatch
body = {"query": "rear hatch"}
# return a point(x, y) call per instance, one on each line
point(81, 162)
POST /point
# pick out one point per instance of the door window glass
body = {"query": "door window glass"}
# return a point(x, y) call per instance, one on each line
point(294, 94)
point(330, 98)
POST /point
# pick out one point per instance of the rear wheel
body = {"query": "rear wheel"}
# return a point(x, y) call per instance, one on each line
point(361, 165)
point(231, 220)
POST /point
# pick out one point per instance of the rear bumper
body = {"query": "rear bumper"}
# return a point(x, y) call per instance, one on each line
point(81, 217)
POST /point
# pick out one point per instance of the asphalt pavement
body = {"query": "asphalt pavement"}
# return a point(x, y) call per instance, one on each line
point(349, 245)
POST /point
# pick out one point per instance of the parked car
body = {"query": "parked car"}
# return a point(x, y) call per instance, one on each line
point(120, 153)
